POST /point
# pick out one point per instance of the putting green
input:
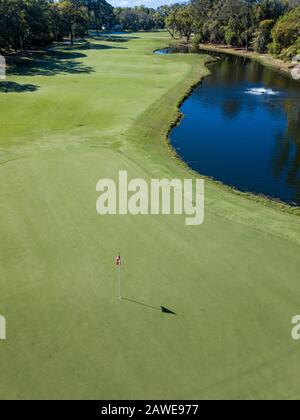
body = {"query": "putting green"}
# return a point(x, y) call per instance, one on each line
point(78, 115)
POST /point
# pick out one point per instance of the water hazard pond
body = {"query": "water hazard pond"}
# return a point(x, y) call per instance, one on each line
point(241, 126)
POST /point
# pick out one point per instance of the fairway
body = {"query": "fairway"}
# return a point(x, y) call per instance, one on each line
point(71, 117)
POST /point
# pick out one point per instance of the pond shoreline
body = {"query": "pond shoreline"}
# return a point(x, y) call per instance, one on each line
point(260, 198)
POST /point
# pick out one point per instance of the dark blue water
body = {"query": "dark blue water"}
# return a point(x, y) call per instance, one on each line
point(242, 127)
point(183, 49)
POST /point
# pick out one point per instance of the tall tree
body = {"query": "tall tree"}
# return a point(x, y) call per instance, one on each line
point(74, 18)
point(100, 12)
point(286, 35)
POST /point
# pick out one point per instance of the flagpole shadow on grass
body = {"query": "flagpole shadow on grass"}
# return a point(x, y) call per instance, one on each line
point(156, 308)
point(164, 310)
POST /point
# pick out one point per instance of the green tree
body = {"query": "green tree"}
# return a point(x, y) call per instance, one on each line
point(286, 35)
point(185, 22)
point(180, 22)
point(195, 44)
point(74, 18)
point(36, 15)
point(171, 22)
point(235, 13)
point(262, 36)
point(128, 19)
point(56, 22)
point(13, 24)
point(100, 13)
point(269, 9)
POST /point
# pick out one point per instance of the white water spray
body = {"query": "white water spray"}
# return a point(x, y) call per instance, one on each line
point(262, 91)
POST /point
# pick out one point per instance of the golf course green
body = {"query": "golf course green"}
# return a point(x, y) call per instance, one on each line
point(69, 117)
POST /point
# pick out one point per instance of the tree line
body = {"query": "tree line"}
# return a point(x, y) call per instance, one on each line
point(27, 23)
point(262, 25)
point(139, 18)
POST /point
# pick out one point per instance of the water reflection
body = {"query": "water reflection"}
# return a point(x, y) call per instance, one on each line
point(287, 152)
point(242, 127)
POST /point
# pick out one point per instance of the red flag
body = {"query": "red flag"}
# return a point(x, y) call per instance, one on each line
point(118, 261)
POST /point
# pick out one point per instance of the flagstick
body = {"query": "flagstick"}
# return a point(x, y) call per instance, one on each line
point(119, 276)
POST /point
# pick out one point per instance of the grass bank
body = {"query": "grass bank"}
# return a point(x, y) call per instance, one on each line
point(69, 118)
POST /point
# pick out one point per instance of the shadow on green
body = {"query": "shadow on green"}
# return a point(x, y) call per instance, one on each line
point(162, 309)
point(13, 87)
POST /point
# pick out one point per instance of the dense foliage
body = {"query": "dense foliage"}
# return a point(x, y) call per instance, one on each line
point(139, 18)
point(263, 25)
point(27, 23)
point(286, 35)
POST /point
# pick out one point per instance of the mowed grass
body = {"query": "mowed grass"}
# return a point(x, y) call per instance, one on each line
point(233, 282)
